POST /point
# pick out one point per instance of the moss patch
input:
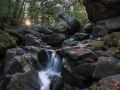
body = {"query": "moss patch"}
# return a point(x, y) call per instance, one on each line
point(16, 35)
point(6, 41)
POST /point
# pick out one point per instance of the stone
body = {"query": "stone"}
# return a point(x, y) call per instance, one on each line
point(108, 83)
point(54, 40)
point(24, 81)
point(72, 80)
point(105, 14)
point(112, 40)
point(106, 66)
point(81, 36)
point(31, 40)
point(22, 63)
point(72, 26)
point(102, 9)
point(77, 53)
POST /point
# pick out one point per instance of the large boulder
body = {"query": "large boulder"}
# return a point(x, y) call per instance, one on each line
point(102, 9)
point(104, 13)
point(108, 83)
point(107, 66)
point(54, 40)
point(72, 26)
point(76, 53)
point(73, 80)
point(22, 59)
point(22, 81)
point(31, 40)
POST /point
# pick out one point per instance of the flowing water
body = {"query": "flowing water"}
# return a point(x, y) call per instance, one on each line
point(52, 69)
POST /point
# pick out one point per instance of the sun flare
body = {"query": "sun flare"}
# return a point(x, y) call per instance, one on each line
point(27, 22)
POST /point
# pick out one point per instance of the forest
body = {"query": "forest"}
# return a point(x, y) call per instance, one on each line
point(59, 45)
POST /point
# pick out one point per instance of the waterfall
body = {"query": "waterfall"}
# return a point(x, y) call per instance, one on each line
point(53, 68)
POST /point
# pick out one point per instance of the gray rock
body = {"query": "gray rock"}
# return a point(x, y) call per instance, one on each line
point(107, 66)
point(108, 83)
point(77, 53)
point(21, 63)
point(24, 81)
point(31, 40)
point(54, 40)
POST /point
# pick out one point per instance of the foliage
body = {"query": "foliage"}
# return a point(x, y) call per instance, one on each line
point(6, 40)
point(42, 12)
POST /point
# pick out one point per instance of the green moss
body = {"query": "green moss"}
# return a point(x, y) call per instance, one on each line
point(62, 26)
point(16, 35)
point(113, 43)
point(6, 41)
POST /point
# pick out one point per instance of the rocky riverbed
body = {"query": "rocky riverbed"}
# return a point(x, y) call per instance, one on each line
point(88, 56)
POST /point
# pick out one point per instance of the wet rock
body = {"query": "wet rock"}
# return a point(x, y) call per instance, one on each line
point(31, 40)
point(108, 83)
point(43, 57)
point(56, 83)
point(69, 42)
point(77, 53)
point(54, 40)
point(86, 69)
point(68, 87)
point(24, 81)
point(106, 66)
point(72, 80)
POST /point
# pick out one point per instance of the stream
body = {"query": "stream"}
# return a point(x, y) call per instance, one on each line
point(52, 69)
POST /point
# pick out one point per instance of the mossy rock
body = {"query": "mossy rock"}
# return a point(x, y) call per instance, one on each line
point(62, 26)
point(111, 43)
point(6, 41)
point(112, 40)
point(16, 35)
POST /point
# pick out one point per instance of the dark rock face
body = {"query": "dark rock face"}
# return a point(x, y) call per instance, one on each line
point(108, 83)
point(102, 9)
point(104, 13)
point(72, 80)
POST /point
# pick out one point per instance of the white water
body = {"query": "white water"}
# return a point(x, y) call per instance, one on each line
point(52, 69)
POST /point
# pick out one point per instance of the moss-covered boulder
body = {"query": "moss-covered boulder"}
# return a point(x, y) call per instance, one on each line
point(112, 40)
point(6, 41)
point(16, 35)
